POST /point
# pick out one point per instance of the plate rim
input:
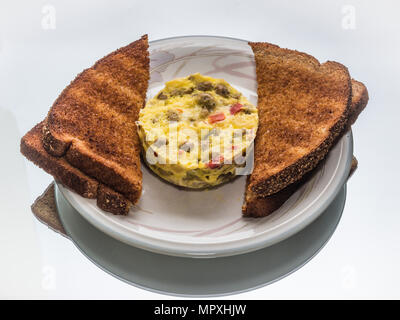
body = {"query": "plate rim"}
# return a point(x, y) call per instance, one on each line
point(290, 229)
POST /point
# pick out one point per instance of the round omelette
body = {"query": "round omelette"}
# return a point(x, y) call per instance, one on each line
point(197, 132)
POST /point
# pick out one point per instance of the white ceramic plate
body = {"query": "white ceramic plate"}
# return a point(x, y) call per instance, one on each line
point(209, 223)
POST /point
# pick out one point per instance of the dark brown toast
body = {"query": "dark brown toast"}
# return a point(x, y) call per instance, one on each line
point(92, 123)
point(358, 102)
point(107, 199)
point(303, 106)
point(259, 206)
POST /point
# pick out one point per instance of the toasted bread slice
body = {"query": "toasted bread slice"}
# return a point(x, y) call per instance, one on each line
point(259, 206)
point(73, 178)
point(359, 101)
point(303, 106)
point(32, 149)
point(92, 123)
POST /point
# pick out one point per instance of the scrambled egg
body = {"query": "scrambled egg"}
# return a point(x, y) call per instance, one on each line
point(197, 131)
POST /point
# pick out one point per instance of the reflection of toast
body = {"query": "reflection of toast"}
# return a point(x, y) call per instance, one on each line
point(89, 140)
point(258, 206)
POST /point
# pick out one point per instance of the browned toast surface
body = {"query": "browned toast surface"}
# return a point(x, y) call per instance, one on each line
point(71, 177)
point(303, 106)
point(92, 123)
point(259, 206)
point(58, 167)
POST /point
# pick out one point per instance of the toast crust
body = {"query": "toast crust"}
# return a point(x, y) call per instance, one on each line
point(92, 122)
point(303, 107)
point(32, 148)
point(259, 206)
point(359, 101)
point(111, 201)
point(71, 177)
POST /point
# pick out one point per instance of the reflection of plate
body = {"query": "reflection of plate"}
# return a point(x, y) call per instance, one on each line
point(209, 223)
point(200, 277)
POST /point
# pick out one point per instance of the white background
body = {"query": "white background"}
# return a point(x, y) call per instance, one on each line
point(361, 260)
